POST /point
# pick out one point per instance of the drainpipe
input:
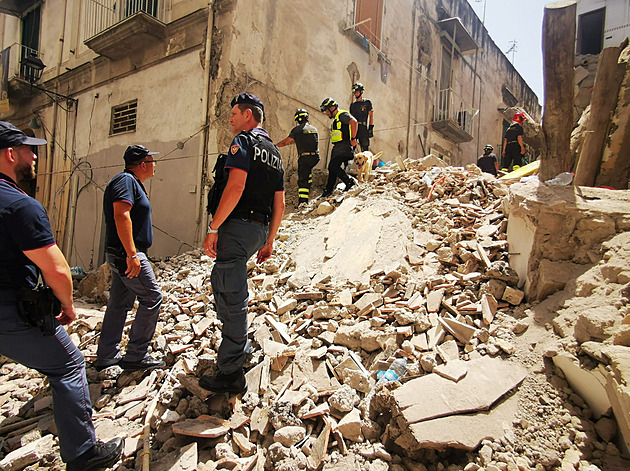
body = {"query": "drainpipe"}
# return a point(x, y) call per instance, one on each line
point(49, 164)
point(73, 197)
point(203, 145)
point(411, 70)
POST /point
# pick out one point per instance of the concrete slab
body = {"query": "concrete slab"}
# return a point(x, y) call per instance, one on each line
point(433, 396)
point(588, 384)
point(461, 431)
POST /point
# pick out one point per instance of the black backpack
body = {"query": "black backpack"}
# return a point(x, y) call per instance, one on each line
point(220, 181)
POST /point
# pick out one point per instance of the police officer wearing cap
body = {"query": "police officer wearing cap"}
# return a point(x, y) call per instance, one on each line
point(28, 249)
point(129, 234)
point(306, 138)
point(362, 110)
point(246, 221)
point(343, 136)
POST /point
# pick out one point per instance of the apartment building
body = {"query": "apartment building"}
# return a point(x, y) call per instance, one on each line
point(94, 76)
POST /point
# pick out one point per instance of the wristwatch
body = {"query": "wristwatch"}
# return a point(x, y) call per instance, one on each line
point(133, 256)
point(212, 231)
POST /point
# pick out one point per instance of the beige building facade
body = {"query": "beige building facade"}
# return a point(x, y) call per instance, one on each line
point(94, 76)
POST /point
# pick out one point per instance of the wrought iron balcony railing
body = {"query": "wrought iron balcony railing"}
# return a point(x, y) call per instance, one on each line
point(103, 14)
point(452, 114)
point(15, 66)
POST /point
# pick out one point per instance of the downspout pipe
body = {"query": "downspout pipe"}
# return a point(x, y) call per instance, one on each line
point(411, 70)
point(202, 166)
point(49, 164)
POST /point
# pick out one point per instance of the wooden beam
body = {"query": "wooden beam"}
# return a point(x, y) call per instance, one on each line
point(603, 103)
point(558, 58)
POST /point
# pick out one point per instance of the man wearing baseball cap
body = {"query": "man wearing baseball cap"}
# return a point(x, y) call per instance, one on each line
point(28, 249)
point(128, 236)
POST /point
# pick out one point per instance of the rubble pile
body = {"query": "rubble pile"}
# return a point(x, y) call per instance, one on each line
point(411, 267)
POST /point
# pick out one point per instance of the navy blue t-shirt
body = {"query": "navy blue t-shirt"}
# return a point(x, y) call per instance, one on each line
point(126, 187)
point(24, 225)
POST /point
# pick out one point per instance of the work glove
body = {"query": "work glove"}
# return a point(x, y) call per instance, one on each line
point(371, 131)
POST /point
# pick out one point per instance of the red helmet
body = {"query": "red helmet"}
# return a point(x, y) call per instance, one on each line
point(519, 118)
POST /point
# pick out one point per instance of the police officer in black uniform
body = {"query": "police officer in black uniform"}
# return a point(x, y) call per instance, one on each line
point(305, 137)
point(343, 136)
point(245, 221)
point(27, 250)
point(362, 110)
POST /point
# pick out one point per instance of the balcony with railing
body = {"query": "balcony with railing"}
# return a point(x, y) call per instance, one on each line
point(113, 28)
point(452, 117)
point(17, 73)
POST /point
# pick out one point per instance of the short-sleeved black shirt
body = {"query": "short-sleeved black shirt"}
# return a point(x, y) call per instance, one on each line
point(305, 137)
point(487, 164)
point(512, 133)
point(361, 110)
point(126, 187)
point(24, 225)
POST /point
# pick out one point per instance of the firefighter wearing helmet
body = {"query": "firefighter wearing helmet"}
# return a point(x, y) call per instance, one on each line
point(343, 136)
point(488, 161)
point(306, 139)
point(513, 147)
point(362, 110)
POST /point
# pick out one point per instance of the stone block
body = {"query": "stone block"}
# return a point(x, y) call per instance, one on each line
point(552, 276)
point(513, 296)
point(350, 426)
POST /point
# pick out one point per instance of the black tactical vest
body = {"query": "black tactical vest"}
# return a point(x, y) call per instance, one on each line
point(264, 176)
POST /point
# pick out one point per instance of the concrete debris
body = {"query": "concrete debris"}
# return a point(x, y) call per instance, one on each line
point(411, 265)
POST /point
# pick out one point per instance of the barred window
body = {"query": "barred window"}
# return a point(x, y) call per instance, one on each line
point(124, 118)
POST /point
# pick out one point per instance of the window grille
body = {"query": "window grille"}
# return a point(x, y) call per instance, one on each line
point(124, 118)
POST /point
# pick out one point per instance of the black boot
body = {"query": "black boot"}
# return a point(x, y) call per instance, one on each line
point(222, 382)
point(101, 455)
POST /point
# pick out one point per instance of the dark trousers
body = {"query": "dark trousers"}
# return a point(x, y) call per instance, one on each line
point(57, 357)
point(122, 296)
point(341, 152)
point(512, 155)
point(239, 239)
point(362, 137)
point(305, 175)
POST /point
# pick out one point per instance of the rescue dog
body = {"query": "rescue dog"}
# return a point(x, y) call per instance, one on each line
point(364, 162)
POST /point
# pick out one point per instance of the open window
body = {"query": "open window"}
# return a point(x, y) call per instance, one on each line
point(30, 42)
point(368, 16)
point(591, 31)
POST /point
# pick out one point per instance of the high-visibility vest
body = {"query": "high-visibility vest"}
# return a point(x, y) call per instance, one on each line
point(339, 132)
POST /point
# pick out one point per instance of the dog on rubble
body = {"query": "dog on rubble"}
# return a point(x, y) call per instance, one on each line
point(364, 162)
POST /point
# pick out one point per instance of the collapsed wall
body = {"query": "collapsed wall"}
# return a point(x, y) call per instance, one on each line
point(555, 233)
point(574, 242)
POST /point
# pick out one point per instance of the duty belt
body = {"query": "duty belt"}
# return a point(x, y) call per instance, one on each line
point(250, 215)
point(364, 123)
point(308, 153)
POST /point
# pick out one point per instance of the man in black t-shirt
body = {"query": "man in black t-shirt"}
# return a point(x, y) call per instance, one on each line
point(513, 147)
point(488, 161)
point(129, 234)
point(28, 249)
point(305, 137)
point(363, 112)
